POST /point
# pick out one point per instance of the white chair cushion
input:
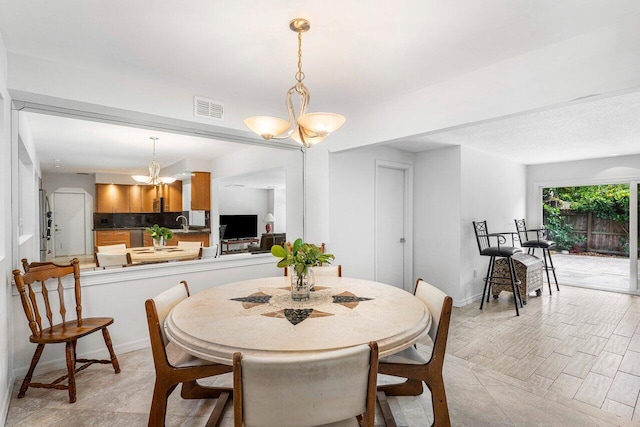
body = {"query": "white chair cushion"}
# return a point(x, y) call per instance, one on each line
point(181, 359)
point(108, 248)
point(189, 244)
point(408, 356)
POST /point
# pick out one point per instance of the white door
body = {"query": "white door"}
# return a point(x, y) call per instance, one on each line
point(391, 228)
point(68, 224)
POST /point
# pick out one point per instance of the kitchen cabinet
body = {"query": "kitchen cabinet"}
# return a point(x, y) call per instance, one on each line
point(200, 191)
point(173, 197)
point(112, 237)
point(112, 198)
point(116, 198)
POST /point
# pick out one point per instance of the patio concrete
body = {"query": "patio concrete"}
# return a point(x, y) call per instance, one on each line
point(591, 271)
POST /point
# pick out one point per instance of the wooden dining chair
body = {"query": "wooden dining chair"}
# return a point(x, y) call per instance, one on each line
point(331, 388)
point(107, 259)
point(26, 265)
point(68, 331)
point(110, 248)
point(174, 367)
point(411, 365)
point(192, 245)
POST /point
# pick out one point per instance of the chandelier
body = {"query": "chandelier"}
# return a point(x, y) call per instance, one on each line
point(305, 128)
point(154, 177)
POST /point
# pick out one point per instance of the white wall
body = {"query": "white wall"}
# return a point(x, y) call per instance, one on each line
point(351, 206)
point(436, 216)
point(244, 201)
point(280, 210)
point(494, 190)
point(6, 325)
point(585, 172)
point(255, 158)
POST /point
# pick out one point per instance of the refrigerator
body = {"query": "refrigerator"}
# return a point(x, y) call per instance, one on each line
point(45, 224)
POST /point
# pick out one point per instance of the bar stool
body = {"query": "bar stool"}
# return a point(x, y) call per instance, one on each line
point(483, 237)
point(540, 242)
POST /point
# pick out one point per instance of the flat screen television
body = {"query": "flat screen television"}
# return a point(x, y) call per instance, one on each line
point(239, 226)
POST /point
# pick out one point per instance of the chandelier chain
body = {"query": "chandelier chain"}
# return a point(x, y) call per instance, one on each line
point(300, 74)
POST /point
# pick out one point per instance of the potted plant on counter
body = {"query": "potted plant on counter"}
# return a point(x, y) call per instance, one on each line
point(300, 260)
point(160, 235)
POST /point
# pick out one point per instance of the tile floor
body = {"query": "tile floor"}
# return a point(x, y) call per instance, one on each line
point(570, 359)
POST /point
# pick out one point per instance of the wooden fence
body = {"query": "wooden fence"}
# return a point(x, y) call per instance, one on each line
point(600, 235)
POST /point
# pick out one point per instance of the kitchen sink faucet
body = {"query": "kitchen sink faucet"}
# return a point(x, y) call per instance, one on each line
point(185, 223)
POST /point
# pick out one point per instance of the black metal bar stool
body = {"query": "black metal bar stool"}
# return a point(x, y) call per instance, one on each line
point(540, 242)
point(483, 237)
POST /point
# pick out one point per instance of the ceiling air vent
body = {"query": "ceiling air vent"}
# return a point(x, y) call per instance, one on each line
point(208, 108)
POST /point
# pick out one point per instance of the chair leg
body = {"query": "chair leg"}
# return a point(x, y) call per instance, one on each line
point(439, 401)
point(492, 266)
point(553, 269)
point(112, 354)
point(32, 367)
point(516, 292)
point(161, 392)
point(71, 371)
point(546, 268)
point(486, 283)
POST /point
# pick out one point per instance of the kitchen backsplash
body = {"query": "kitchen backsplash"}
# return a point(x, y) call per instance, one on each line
point(135, 220)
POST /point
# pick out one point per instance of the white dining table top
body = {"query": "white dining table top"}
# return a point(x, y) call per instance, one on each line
point(147, 254)
point(259, 317)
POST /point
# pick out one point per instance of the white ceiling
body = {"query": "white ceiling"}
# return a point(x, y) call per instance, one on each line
point(356, 53)
point(82, 146)
point(590, 129)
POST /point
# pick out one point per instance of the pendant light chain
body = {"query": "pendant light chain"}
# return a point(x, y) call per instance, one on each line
point(299, 74)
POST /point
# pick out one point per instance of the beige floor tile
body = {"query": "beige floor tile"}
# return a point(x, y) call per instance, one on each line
point(553, 366)
point(594, 345)
point(618, 409)
point(634, 344)
point(617, 344)
point(631, 363)
point(607, 364)
point(625, 389)
point(570, 346)
point(523, 368)
point(545, 346)
point(594, 389)
point(580, 365)
point(566, 386)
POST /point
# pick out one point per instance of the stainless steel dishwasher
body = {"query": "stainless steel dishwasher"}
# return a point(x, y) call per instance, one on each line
point(136, 238)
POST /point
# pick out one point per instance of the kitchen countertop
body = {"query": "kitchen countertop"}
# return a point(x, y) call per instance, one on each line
point(173, 230)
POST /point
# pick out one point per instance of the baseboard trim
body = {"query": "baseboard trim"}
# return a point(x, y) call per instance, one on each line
point(461, 303)
point(56, 364)
point(6, 400)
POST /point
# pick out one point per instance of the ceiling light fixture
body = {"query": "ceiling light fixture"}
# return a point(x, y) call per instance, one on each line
point(154, 177)
point(307, 129)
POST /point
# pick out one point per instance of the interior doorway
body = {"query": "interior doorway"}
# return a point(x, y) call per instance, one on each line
point(596, 234)
point(393, 224)
point(69, 224)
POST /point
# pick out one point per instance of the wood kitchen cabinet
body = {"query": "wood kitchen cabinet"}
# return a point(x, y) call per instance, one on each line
point(112, 237)
point(147, 194)
point(173, 197)
point(180, 237)
point(135, 198)
point(201, 191)
point(112, 198)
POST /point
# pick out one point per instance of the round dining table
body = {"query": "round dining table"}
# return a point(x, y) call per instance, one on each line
point(259, 317)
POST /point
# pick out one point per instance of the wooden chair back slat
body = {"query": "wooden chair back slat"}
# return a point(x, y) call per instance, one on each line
point(47, 304)
point(40, 273)
point(63, 310)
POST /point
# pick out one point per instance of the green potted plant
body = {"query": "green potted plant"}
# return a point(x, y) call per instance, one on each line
point(300, 258)
point(160, 235)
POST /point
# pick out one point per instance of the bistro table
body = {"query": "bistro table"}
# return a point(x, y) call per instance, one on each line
point(259, 317)
point(147, 254)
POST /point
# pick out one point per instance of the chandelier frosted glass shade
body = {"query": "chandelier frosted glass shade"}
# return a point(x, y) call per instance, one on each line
point(267, 127)
point(307, 129)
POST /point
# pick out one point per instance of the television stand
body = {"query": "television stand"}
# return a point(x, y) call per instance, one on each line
point(229, 242)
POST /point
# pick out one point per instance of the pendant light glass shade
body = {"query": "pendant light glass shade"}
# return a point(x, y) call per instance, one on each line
point(307, 129)
point(267, 127)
